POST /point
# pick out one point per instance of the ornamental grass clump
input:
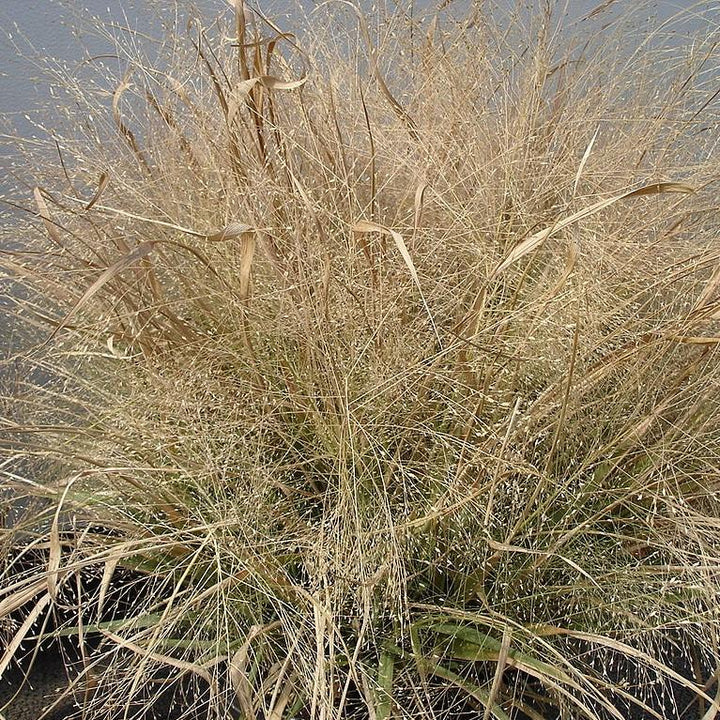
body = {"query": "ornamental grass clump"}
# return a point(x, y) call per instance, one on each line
point(379, 374)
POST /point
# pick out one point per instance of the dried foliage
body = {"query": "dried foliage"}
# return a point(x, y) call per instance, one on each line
point(376, 375)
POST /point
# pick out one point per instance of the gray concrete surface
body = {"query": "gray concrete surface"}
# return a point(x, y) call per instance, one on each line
point(28, 700)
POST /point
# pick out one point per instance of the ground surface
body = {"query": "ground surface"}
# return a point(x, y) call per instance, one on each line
point(43, 687)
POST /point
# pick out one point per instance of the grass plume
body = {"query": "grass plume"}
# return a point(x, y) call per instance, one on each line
point(379, 375)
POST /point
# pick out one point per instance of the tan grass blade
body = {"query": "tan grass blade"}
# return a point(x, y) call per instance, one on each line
point(507, 548)
point(713, 711)
point(52, 288)
point(243, 89)
point(584, 160)
point(148, 274)
point(695, 339)
point(599, 9)
point(499, 671)
point(708, 292)
point(177, 87)
point(363, 226)
point(256, 11)
point(50, 225)
point(238, 664)
point(373, 155)
point(231, 231)
point(217, 85)
point(181, 138)
point(278, 707)
point(102, 184)
point(107, 275)
point(239, 681)
point(21, 597)
point(570, 262)
point(629, 651)
point(241, 22)
point(183, 665)
point(512, 422)
point(273, 83)
point(23, 630)
point(114, 351)
point(55, 553)
point(107, 577)
point(123, 129)
point(537, 239)
point(419, 199)
point(246, 259)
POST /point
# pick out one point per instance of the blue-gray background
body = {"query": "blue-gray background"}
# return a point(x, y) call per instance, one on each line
point(31, 30)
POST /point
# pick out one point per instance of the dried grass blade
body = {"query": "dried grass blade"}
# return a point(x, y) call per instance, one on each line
point(599, 9)
point(231, 231)
point(150, 276)
point(537, 239)
point(50, 224)
point(183, 665)
point(499, 671)
point(695, 339)
point(363, 226)
point(123, 129)
point(278, 707)
point(239, 681)
point(273, 83)
point(241, 29)
point(514, 415)
point(217, 85)
point(55, 553)
point(570, 262)
point(708, 292)
point(107, 275)
point(246, 259)
point(23, 630)
point(152, 221)
point(419, 200)
point(54, 556)
point(166, 114)
point(290, 37)
point(107, 577)
point(242, 90)
point(177, 87)
point(584, 160)
point(240, 95)
point(397, 108)
point(373, 156)
point(102, 184)
point(21, 597)
point(238, 676)
point(309, 205)
point(629, 651)
point(714, 710)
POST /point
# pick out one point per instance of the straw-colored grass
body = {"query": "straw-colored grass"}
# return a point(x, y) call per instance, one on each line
point(378, 374)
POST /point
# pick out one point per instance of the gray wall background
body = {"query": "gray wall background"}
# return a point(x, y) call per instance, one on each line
point(35, 29)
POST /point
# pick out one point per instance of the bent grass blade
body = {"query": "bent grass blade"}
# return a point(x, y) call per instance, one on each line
point(364, 226)
point(537, 239)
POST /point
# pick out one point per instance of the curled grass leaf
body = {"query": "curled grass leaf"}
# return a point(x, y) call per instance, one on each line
point(538, 238)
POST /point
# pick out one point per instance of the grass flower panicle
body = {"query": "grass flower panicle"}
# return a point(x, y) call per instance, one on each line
point(372, 373)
